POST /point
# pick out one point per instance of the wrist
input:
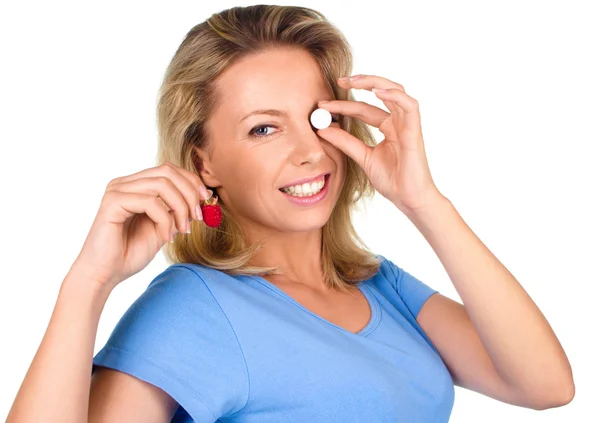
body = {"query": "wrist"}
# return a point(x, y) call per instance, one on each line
point(80, 283)
point(432, 205)
point(433, 218)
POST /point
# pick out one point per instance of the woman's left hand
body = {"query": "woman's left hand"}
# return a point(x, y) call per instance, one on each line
point(397, 166)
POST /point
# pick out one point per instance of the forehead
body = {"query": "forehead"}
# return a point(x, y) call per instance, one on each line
point(275, 78)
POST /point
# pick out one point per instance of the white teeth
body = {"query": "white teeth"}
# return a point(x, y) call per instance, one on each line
point(305, 189)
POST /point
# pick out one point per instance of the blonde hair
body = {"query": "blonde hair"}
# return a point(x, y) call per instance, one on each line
point(187, 98)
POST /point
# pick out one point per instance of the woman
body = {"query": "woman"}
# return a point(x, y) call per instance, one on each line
point(280, 313)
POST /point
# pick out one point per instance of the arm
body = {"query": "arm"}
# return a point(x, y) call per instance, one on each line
point(57, 385)
point(499, 342)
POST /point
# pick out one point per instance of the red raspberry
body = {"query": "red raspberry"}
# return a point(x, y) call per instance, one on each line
point(211, 211)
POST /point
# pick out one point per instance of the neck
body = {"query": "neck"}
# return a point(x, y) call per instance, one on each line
point(297, 254)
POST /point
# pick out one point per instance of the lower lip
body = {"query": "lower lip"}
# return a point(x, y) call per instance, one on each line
point(313, 199)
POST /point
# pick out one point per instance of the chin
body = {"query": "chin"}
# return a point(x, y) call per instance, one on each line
point(307, 224)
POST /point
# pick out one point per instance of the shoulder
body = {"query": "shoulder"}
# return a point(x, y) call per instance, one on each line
point(413, 291)
point(389, 270)
point(180, 277)
point(185, 283)
point(177, 305)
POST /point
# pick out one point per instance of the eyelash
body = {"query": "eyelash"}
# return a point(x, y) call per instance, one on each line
point(334, 119)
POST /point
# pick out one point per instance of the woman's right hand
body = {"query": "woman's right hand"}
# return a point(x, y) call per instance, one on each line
point(133, 223)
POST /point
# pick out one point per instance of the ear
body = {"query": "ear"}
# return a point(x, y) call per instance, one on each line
point(205, 168)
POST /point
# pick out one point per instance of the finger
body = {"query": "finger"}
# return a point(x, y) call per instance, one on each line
point(367, 82)
point(368, 113)
point(406, 106)
point(195, 179)
point(174, 172)
point(189, 184)
point(163, 188)
point(347, 143)
point(120, 206)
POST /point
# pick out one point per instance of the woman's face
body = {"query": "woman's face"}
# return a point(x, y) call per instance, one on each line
point(254, 155)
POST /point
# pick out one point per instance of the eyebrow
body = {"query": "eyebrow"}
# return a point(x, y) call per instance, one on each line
point(272, 112)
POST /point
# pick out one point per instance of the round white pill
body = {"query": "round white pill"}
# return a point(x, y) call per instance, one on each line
point(320, 118)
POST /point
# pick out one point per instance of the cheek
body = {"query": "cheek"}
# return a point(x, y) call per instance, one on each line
point(250, 174)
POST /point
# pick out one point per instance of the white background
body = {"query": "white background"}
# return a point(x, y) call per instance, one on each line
point(509, 98)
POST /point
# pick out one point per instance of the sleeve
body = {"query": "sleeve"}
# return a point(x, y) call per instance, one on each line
point(411, 290)
point(176, 337)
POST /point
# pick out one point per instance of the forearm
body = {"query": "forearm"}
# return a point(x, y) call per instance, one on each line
point(56, 387)
point(519, 340)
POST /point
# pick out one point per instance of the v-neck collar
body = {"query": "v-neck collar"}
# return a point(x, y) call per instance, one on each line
point(374, 305)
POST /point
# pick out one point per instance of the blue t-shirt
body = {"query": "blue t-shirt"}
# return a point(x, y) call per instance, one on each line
point(239, 349)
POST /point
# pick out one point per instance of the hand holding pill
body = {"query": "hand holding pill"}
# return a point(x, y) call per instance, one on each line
point(397, 166)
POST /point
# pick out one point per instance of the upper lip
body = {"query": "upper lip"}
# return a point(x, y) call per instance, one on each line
point(301, 181)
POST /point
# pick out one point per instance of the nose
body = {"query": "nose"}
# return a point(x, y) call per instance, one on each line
point(308, 147)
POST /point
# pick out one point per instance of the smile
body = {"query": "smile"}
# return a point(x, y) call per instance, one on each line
point(307, 194)
point(306, 189)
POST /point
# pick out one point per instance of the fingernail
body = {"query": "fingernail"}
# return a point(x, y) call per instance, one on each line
point(203, 193)
point(188, 230)
point(198, 212)
point(378, 90)
point(355, 77)
point(344, 78)
point(172, 240)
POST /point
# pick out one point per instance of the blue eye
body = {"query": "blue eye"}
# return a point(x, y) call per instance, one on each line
point(256, 128)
